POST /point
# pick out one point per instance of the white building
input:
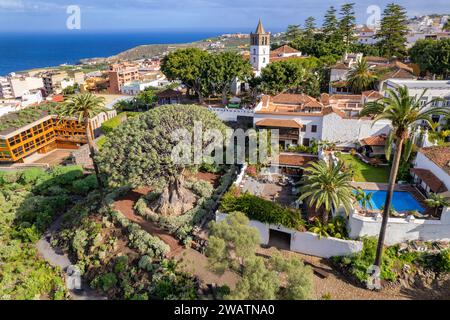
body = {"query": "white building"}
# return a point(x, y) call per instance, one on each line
point(134, 87)
point(434, 89)
point(366, 35)
point(14, 86)
point(301, 119)
point(259, 48)
point(31, 97)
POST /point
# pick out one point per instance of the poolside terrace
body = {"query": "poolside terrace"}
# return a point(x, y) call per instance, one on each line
point(412, 190)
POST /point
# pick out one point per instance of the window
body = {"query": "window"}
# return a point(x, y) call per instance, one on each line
point(436, 102)
point(254, 51)
point(435, 118)
point(306, 142)
point(423, 101)
point(303, 128)
point(264, 60)
point(313, 128)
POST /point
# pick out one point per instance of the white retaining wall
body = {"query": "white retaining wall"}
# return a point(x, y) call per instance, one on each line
point(306, 242)
point(401, 229)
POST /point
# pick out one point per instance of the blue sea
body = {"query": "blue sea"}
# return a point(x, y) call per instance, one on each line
point(22, 51)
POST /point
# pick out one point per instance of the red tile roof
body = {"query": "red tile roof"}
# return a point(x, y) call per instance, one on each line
point(439, 155)
point(375, 141)
point(435, 184)
point(294, 160)
point(372, 94)
point(290, 98)
point(278, 123)
point(284, 49)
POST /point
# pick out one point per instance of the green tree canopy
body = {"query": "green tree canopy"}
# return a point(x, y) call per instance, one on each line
point(140, 152)
point(230, 242)
point(393, 31)
point(188, 66)
point(347, 23)
point(360, 77)
point(432, 56)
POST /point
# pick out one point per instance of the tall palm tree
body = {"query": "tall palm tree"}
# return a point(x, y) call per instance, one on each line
point(360, 77)
point(404, 112)
point(326, 187)
point(437, 201)
point(85, 106)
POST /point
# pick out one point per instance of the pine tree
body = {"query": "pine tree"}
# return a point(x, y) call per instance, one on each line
point(347, 23)
point(330, 25)
point(393, 31)
point(293, 32)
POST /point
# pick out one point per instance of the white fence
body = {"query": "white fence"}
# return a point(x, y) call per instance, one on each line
point(306, 242)
point(226, 114)
point(401, 229)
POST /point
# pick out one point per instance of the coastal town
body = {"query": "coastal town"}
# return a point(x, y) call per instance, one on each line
point(338, 187)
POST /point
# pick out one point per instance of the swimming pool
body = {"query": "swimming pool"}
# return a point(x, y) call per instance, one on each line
point(401, 201)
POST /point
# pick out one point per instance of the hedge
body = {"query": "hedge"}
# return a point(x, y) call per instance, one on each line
point(109, 125)
point(257, 208)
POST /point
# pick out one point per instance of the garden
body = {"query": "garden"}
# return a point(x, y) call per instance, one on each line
point(363, 172)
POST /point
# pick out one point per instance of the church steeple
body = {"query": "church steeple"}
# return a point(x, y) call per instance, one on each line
point(259, 47)
point(260, 28)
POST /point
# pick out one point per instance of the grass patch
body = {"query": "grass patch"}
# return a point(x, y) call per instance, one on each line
point(363, 172)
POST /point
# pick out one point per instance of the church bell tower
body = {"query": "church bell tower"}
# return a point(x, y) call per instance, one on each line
point(259, 48)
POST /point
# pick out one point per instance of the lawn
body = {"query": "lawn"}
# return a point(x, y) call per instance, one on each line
point(364, 172)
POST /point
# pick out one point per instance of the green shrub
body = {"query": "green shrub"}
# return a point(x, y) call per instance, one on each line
point(85, 185)
point(109, 125)
point(121, 264)
point(262, 210)
point(105, 282)
point(146, 263)
point(31, 175)
point(443, 261)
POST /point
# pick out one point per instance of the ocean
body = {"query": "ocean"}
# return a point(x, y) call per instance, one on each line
point(23, 51)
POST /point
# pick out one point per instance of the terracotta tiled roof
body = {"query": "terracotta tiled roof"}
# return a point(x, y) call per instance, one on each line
point(58, 98)
point(294, 160)
point(340, 65)
point(372, 94)
point(439, 155)
point(366, 29)
point(375, 141)
point(278, 123)
point(284, 49)
point(275, 58)
point(435, 184)
point(300, 99)
point(376, 59)
point(168, 93)
point(398, 74)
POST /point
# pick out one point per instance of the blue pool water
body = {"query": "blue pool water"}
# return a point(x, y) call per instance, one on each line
point(401, 201)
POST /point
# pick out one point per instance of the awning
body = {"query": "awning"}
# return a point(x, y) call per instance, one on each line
point(428, 177)
point(278, 123)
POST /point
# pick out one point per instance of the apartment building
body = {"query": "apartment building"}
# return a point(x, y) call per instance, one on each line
point(55, 82)
point(120, 74)
point(15, 86)
point(46, 133)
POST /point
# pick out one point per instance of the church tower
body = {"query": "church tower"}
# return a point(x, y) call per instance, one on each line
point(259, 48)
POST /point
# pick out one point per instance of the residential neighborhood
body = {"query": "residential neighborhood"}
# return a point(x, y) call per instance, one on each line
point(310, 164)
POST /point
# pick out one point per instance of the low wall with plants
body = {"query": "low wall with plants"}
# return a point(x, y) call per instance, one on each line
point(306, 242)
point(401, 229)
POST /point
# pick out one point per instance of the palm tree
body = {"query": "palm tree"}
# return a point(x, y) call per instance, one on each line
point(436, 201)
point(326, 187)
point(84, 107)
point(403, 112)
point(364, 198)
point(360, 77)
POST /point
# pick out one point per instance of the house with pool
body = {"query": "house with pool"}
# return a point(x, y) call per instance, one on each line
point(411, 218)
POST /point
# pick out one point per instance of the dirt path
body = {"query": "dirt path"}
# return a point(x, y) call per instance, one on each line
point(57, 258)
point(125, 205)
point(337, 287)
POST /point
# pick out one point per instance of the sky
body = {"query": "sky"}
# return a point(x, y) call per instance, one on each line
point(179, 15)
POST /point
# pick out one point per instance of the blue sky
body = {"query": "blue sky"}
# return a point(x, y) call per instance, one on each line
point(221, 15)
